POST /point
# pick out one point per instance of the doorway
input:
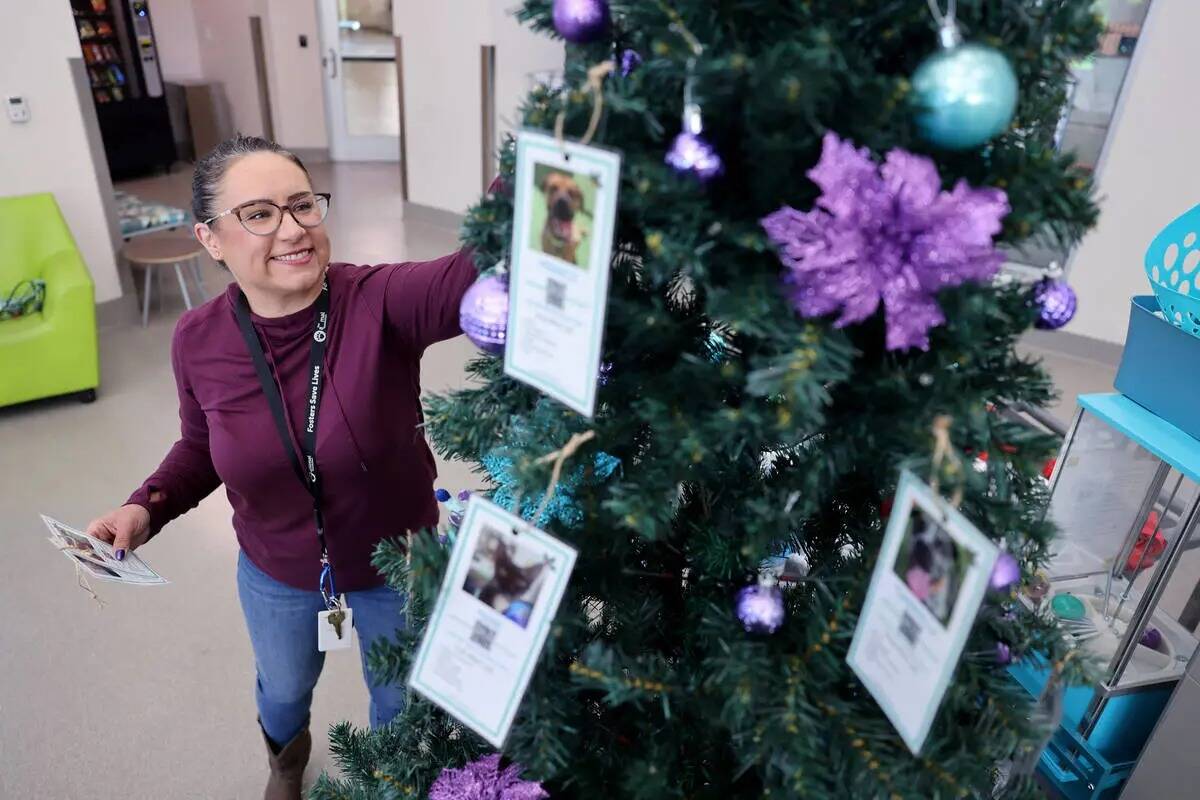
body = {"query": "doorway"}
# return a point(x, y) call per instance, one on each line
point(362, 91)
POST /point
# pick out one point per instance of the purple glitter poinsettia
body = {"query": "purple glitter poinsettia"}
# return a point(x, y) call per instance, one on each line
point(885, 233)
point(483, 779)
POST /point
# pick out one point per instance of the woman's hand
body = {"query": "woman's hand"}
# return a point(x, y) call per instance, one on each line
point(126, 529)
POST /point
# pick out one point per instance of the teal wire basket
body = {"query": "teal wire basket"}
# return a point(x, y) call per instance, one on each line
point(1173, 267)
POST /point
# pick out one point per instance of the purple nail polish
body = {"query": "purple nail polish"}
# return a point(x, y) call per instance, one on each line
point(121, 555)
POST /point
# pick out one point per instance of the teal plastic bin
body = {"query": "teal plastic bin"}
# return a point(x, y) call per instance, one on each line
point(1160, 368)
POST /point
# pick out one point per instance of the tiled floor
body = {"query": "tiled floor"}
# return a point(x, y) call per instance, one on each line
point(151, 695)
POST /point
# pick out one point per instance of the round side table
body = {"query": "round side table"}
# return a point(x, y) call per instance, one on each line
point(159, 250)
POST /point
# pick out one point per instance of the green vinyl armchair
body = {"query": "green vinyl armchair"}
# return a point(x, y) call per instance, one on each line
point(53, 352)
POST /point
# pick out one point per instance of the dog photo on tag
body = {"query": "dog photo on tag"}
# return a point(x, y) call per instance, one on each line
point(931, 564)
point(564, 211)
point(562, 221)
point(929, 580)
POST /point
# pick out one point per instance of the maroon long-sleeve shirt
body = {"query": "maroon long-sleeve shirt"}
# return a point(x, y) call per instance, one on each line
point(377, 472)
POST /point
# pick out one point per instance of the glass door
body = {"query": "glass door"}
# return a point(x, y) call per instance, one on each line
point(1090, 110)
point(362, 91)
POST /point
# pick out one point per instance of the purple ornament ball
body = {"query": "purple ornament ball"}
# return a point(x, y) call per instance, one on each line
point(483, 313)
point(690, 154)
point(1003, 653)
point(1005, 573)
point(1055, 301)
point(581, 21)
point(760, 608)
point(630, 60)
point(1152, 638)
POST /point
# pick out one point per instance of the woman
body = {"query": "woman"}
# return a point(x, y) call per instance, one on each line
point(311, 352)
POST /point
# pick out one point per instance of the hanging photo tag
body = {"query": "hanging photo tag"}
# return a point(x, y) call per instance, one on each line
point(565, 207)
point(930, 579)
point(498, 598)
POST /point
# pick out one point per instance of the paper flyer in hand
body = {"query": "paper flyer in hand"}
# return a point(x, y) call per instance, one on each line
point(501, 590)
point(930, 579)
point(96, 558)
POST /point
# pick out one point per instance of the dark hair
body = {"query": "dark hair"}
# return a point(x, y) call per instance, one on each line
point(212, 168)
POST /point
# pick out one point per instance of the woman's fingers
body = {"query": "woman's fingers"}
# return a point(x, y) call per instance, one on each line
point(101, 529)
point(132, 527)
point(123, 542)
point(125, 529)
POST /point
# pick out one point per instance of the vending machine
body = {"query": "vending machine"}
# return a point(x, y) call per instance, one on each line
point(121, 54)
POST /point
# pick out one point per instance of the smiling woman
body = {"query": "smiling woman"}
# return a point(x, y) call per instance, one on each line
point(251, 367)
point(276, 247)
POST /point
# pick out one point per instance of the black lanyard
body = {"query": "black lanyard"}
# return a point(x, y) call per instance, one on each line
point(306, 471)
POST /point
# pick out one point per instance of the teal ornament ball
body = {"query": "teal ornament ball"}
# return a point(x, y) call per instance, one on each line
point(963, 95)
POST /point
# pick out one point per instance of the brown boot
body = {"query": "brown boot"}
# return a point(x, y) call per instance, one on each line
point(287, 766)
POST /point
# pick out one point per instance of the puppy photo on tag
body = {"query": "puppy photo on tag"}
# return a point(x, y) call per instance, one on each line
point(561, 218)
point(932, 565)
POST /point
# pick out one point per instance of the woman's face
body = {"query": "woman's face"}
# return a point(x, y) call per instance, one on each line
point(288, 263)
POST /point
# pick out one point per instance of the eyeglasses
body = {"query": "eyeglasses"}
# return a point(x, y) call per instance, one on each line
point(263, 218)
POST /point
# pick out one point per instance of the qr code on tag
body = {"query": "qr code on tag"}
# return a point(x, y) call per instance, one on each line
point(556, 293)
point(483, 635)
point(909, 628)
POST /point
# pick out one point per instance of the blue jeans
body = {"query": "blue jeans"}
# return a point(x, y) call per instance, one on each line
point(282, 622)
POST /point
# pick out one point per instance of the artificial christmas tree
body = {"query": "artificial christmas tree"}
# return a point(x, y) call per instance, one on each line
point(749, 409)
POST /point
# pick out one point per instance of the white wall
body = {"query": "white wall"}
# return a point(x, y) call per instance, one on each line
point(50, 153)
point(442, 90)
point(442, 76)
point(295, 73)
point(221, 31)
point(441, 99)
point(227, 56)
point(520, 54)
point(1149, 173)
point(178, 48)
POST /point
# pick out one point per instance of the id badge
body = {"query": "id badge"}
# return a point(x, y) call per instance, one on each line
point(335, 629)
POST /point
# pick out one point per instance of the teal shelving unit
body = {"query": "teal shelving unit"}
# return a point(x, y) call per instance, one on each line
point(1125, 494)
